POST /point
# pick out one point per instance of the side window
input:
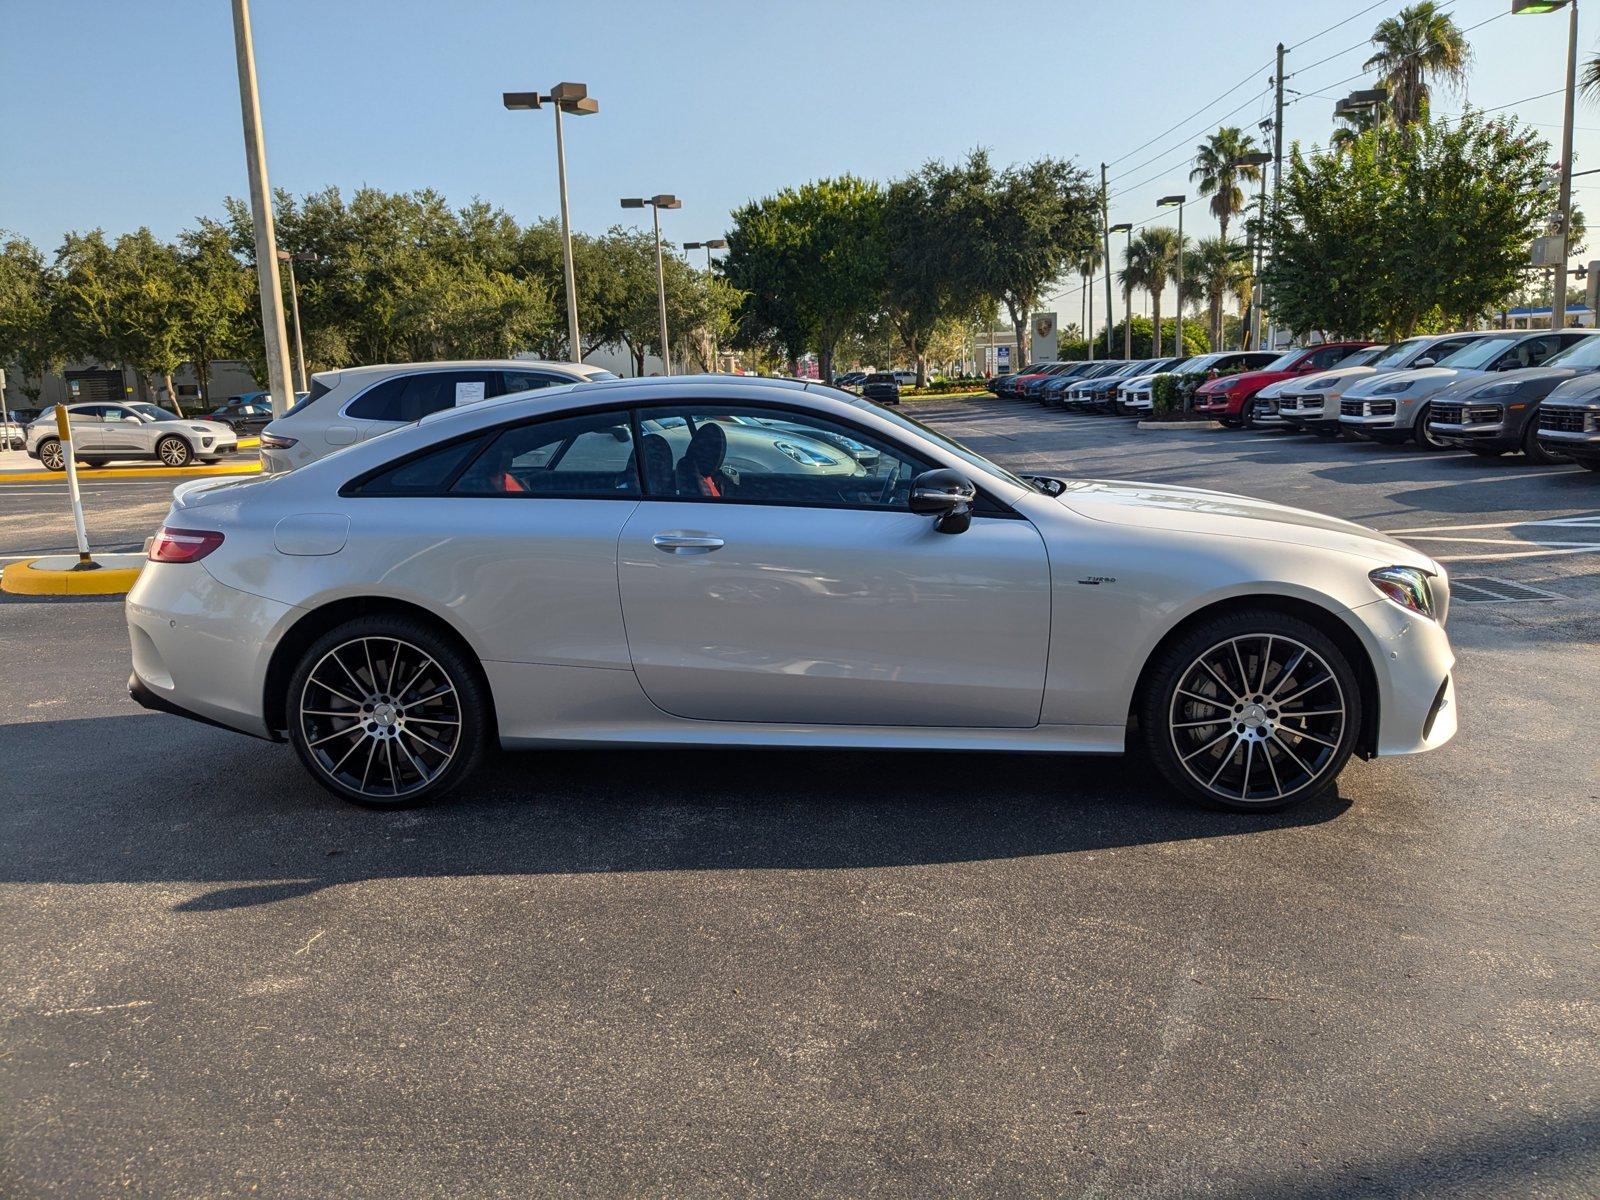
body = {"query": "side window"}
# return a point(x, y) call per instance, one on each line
point(770, 455)
point(527, 381)
point(114, 413)
point(590, 455)
point(1325, 358)
point(425, 475)
point(87, 412)
point(412, 397)
point(1530, 353)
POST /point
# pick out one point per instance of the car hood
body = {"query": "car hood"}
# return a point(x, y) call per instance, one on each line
point(1422, 379)
point(1585, 389)
point(1245, 379)
point(1465, 387)
point(1198, 510)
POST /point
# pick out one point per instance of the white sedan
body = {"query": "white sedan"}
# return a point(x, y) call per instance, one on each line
point(680, 562)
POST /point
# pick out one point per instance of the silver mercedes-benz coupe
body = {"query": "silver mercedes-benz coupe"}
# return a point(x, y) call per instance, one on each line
point(720, 561)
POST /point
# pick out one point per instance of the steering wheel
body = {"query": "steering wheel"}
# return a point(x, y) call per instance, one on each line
point(891, 483)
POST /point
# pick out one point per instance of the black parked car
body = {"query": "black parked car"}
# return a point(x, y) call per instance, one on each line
point(244, 414)
point(880, 387)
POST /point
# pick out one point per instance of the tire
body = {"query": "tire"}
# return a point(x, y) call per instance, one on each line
point(1532, 450)
point(173, 451)
point(1230, 422)
point(1251, 757)
point(1421, 433)
point(343, 708)
point(1247, 414)
point(50, 455)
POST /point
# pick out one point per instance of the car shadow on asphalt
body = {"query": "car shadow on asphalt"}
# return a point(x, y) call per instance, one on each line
point(154, 799)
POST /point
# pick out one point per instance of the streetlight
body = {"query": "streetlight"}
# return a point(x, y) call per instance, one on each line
point(1558, 302)
point(294, 306)
point(1177, 346)
point(657, 203)
point(708, 247)
point(573, 99)
point(1127, 292)
point(1257, 159)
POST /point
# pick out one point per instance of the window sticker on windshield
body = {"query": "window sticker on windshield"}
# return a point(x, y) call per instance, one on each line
point(468, 393)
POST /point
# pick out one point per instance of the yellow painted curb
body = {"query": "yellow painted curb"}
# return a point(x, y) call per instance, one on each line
point(23, 579)
point(253, 468)
point(249, 443)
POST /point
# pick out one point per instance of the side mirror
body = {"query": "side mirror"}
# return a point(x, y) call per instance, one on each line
point(947, 493)
point(1423, 362)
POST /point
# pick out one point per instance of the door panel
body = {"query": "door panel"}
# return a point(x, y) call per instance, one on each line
point(796, 615)
point(120, 430)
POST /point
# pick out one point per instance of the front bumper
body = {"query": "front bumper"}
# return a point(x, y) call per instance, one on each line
point(1413, 663)
point(1364, 416)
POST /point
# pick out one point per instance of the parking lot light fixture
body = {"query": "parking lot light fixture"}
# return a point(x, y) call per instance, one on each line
point(657, 203)
point(574, 100)
point(1178, 202)
point(1127, 293)
point(1558, 301)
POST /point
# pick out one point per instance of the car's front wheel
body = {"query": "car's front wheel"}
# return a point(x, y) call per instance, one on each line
point(174, 451)
point(1426, 437)
point(1533, 450)
point(384, 711)
point(51, 456)
point(1255, 709)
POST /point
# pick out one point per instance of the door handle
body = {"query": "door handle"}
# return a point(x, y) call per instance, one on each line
point(686, 543)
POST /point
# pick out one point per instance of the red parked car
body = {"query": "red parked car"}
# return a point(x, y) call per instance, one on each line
point(1231, 399)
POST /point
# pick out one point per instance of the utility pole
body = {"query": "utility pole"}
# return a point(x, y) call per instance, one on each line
point(275, 334)
point(1558, 302)
point(1105, 230)
point(1277, 168)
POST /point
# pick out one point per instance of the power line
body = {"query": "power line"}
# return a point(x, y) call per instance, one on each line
point(1212, 104)
point(1187, 158)
point(1337, 24)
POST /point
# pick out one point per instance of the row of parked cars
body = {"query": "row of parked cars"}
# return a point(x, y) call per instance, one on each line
point(1492, 392)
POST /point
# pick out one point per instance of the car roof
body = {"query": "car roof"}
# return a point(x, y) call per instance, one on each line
point(467, 364)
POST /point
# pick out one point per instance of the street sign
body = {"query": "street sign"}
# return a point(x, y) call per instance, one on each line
point(1549, 251)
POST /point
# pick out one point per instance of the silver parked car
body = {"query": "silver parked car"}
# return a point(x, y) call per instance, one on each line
point(356, 403)
point(1395, 407)
point(670, 562)
point(107, 432)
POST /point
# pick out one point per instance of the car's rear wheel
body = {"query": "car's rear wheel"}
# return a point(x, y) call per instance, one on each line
point(1252, 710)
point(51, 456)
point(384, 711)
point(174, 451)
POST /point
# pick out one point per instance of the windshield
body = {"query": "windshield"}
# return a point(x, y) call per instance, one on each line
point(1478, 354)
point(1361, 358)
point(1197, 366)
point(939, 439)
point(151, 413)
point(1583, 354)
point(1398, 354)
point(1284, 361)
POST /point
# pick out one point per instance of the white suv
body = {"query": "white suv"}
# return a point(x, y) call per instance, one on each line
point(358, 403)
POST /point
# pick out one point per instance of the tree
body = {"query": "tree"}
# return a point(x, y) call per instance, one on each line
point(1143, 341)
point(1218, 175)
point(1037, 217)
point(1410, 230)
point(30, 343)
point(1148, 263)
point(1088, 261)
point(216, 298)
point(1420, 43)
point(811, 262)
point(1214, 266)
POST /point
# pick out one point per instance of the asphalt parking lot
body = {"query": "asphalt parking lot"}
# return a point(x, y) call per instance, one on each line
point(637, 972)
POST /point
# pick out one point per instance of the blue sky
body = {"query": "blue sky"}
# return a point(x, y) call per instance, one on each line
point(126, 114)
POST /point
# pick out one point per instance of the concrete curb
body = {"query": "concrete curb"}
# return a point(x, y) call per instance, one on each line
point(1178, 426)
point(58, 575)
point(90, 473)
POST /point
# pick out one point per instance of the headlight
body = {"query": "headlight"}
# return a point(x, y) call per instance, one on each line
point(1392, 389)
point(1498, 391)
point(1406, 586)
point(1317, 385)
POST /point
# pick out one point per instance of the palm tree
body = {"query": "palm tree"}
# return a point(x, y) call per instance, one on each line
point(1215, 265)
point(1149, 263)
point(1087, 263)
point(1418, 44)
point(1589, 80)
point(1216, 172)
point(1355, 124)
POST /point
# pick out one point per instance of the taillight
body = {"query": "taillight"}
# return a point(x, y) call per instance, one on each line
point(183, 545)
point(277, 441)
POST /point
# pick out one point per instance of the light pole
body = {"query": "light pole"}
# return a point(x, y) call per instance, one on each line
point(1127, 292)
point(657, 203)
point(294, 309)
point(1258, 160)
point(573, 99)
point(1558, 302)
point(708, 247)
point(1177, 344)
point(273, 334)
